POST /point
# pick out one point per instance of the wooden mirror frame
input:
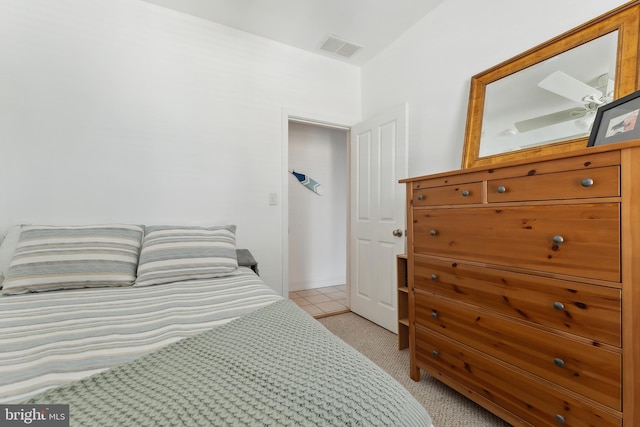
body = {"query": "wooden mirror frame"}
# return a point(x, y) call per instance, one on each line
point(625, 19)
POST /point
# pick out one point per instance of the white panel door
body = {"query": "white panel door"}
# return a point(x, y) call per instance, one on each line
point(378, 152)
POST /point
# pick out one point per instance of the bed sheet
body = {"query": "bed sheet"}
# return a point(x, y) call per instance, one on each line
point(52, 338)
point(275, 366)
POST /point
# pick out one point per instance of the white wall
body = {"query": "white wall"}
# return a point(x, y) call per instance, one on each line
point(318, 223)
point(120, 110)
point(431, 65)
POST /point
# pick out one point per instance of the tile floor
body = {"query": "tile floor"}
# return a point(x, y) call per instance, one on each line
point(322, 302)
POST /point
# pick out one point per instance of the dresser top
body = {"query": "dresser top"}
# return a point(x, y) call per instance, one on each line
point(574, 153)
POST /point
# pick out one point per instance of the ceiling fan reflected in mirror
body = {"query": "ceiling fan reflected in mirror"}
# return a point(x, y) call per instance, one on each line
point(569, 87)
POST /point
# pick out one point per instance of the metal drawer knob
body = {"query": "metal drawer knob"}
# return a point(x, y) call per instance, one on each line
point(502, 189)
point(557, 305)
point(465, 193)
point(433, 232)
point(420, 197)
point(558, 362)
point(587, 182)
point(434, 277)
point(558, 239)
point(560, 419)
point(435, 353)
point(434, 314)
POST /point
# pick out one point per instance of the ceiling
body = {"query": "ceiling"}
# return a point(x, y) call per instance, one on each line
point(306, 24)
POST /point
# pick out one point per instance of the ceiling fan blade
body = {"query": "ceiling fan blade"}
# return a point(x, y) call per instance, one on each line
point(610, 88)
point(550, 119)
point(569, 87)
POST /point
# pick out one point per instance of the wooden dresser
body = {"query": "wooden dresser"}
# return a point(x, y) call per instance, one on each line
point(524, 286)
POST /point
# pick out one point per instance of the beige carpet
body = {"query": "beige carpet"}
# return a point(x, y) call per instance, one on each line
point(447, 407)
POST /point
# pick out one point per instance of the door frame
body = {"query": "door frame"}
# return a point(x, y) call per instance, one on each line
point(315, 119)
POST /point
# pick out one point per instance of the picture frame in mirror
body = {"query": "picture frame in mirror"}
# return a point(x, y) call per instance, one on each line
point(616, 121)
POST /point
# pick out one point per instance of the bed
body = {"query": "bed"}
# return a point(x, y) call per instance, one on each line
point(127, 327)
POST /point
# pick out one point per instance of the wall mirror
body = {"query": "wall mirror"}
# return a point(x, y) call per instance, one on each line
point(544, 100)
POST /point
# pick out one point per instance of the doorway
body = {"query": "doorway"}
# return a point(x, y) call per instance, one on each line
point(318, 191)
point(376, 155)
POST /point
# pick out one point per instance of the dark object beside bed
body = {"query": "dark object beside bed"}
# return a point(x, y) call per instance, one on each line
point(246, 259)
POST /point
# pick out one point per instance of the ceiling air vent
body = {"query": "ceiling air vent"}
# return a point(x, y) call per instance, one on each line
point(340, 47)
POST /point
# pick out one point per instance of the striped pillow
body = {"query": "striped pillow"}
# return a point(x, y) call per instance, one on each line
point(68, 257)
point(174, 254)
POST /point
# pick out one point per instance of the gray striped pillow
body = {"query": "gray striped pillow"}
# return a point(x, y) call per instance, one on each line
point(67, 257)
point(174, 254)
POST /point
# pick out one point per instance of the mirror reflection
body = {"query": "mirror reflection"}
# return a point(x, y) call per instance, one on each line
point(554, 100)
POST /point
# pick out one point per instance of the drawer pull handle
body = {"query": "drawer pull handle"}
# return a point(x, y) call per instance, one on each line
point(465, 193)
point(435, 353)
point(502, 189)
point(433, 232)
point(560, 419)
point(558, 362)
point(434, 277)
point(558, 239)
point(434, 314)
point(587, 182)
point(558, 306)
point(420, 197)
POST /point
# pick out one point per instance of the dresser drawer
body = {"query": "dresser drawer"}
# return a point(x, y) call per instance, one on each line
point(516, 392)
point(578, 184)
point(582, 240)
point(590, 311)
point(447, 195)
point(583, 368)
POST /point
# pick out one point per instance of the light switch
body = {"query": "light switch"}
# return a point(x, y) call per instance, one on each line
point(273, 199)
